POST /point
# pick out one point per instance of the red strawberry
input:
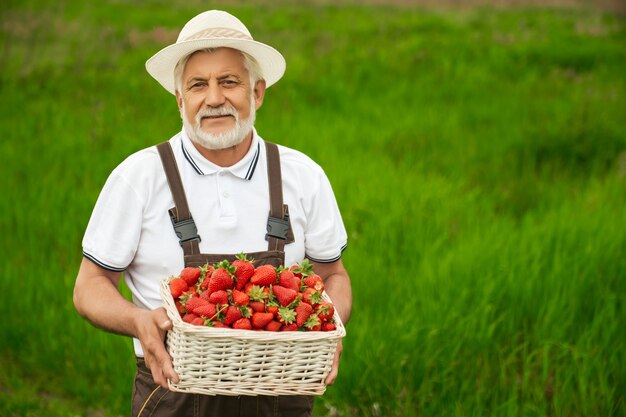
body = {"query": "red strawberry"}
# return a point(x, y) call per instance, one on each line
point(209, 310)
point(220, 280)
point(189, 317)
point(293, 327)
point(198, 321)
point(194, 302)
point(271, 308)
point(240, 298)
point(232, 315)
point(286, 315)
point(287, 279)
point(325, 311)
point(179, 307)
point(191, 292)
point(314, 281)
point(273, 326)
point(219, 324)
point(257, 293)
point(208, 271)
point(311, 296)
point(305, 268)
point(313, 323)
point(242, 324)
point(218, 297)
point(177, 287)
point(303, 311)
point(258, 306)
point(244, 269)
point(285, 296)
point(264, 275)
point(260, 320)
point(190, 275)
point(328, 326)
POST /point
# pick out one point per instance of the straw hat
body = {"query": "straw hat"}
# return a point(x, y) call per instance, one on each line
point(214, 29)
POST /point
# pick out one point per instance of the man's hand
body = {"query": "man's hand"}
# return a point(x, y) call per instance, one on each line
point(332, 375)
point(151, 327)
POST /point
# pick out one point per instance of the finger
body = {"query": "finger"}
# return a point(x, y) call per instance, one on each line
point(170, 373)
point(332, 375)
point(162, 319)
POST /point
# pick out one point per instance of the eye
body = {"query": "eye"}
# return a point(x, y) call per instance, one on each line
point(229, 82)
point(197, 85)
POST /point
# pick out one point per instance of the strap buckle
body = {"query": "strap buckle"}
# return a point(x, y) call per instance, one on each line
point(277, 228)
point(184, 229)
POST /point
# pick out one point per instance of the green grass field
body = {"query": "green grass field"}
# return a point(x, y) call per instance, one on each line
point(478, 156)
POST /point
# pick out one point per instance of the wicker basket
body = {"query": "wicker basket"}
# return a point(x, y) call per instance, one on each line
point(221, 361)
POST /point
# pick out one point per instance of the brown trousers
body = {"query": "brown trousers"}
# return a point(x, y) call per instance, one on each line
point(151, 400)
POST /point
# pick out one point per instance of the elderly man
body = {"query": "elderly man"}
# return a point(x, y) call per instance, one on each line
point(204, 196)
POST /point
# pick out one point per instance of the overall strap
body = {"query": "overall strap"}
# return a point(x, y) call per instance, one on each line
point(184, 226)
point(278, 220)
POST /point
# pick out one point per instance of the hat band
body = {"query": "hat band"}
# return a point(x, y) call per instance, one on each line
point(218, 33)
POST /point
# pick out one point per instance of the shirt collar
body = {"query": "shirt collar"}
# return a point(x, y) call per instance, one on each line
point(243, 169)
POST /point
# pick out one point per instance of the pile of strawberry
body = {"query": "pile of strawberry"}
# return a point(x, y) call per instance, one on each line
point(240, 296)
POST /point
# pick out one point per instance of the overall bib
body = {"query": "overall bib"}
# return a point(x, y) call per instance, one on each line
point(149, 399)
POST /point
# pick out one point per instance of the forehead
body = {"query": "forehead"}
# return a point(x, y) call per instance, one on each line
point(214, 62)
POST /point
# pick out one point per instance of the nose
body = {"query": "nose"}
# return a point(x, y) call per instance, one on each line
point(214, 96)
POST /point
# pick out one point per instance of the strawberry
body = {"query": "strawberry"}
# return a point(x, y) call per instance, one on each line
point(313, 323)
point(244, 269)
point(190, 275)
point(311, 296)
point(256, 293)
point(286, 315)
point(221, 279)
point(325, 311)
point(240, 298)
point(207, 271)
point(285, 296)
point(194, 302)
point(189, 317)
point(219, 324)
point(198, 321)
point(180, 307)
point(305, 268)
point(287, 279)
point(328, 326)
point(218, 297)
point(271, 308)
point(258, 306)
point(264, 275)
point(209, 310)
point(314, 281)
point(303, 311)
point(260, 320)
point(177, 287)
point(293, 327)
point(273, 326)
point(242, 324)
point(232, 315)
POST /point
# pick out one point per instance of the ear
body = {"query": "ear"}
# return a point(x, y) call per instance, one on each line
point(179, 100)
point(259, 93)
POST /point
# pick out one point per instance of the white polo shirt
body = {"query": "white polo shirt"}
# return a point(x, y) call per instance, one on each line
point(130, 229)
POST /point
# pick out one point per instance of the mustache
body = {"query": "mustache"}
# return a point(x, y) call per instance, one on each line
point(217, 111)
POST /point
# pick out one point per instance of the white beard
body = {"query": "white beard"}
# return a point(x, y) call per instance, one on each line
point(224, 140)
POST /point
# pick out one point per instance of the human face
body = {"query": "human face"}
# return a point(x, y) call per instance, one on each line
point(217, 95)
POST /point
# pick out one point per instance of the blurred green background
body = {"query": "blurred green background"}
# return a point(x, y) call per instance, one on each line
point(477, 151)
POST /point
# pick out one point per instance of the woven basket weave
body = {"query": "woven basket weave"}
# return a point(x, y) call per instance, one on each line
point(222, 361)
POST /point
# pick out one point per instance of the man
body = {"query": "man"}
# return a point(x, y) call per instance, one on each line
point(150, 220)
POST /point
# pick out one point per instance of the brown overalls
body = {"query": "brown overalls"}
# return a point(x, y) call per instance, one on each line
point(149, 399)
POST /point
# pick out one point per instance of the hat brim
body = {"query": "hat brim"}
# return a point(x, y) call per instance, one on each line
point(161, 65)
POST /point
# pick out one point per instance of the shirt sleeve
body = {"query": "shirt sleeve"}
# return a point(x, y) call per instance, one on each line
point(325, 235)
point(114, 229)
